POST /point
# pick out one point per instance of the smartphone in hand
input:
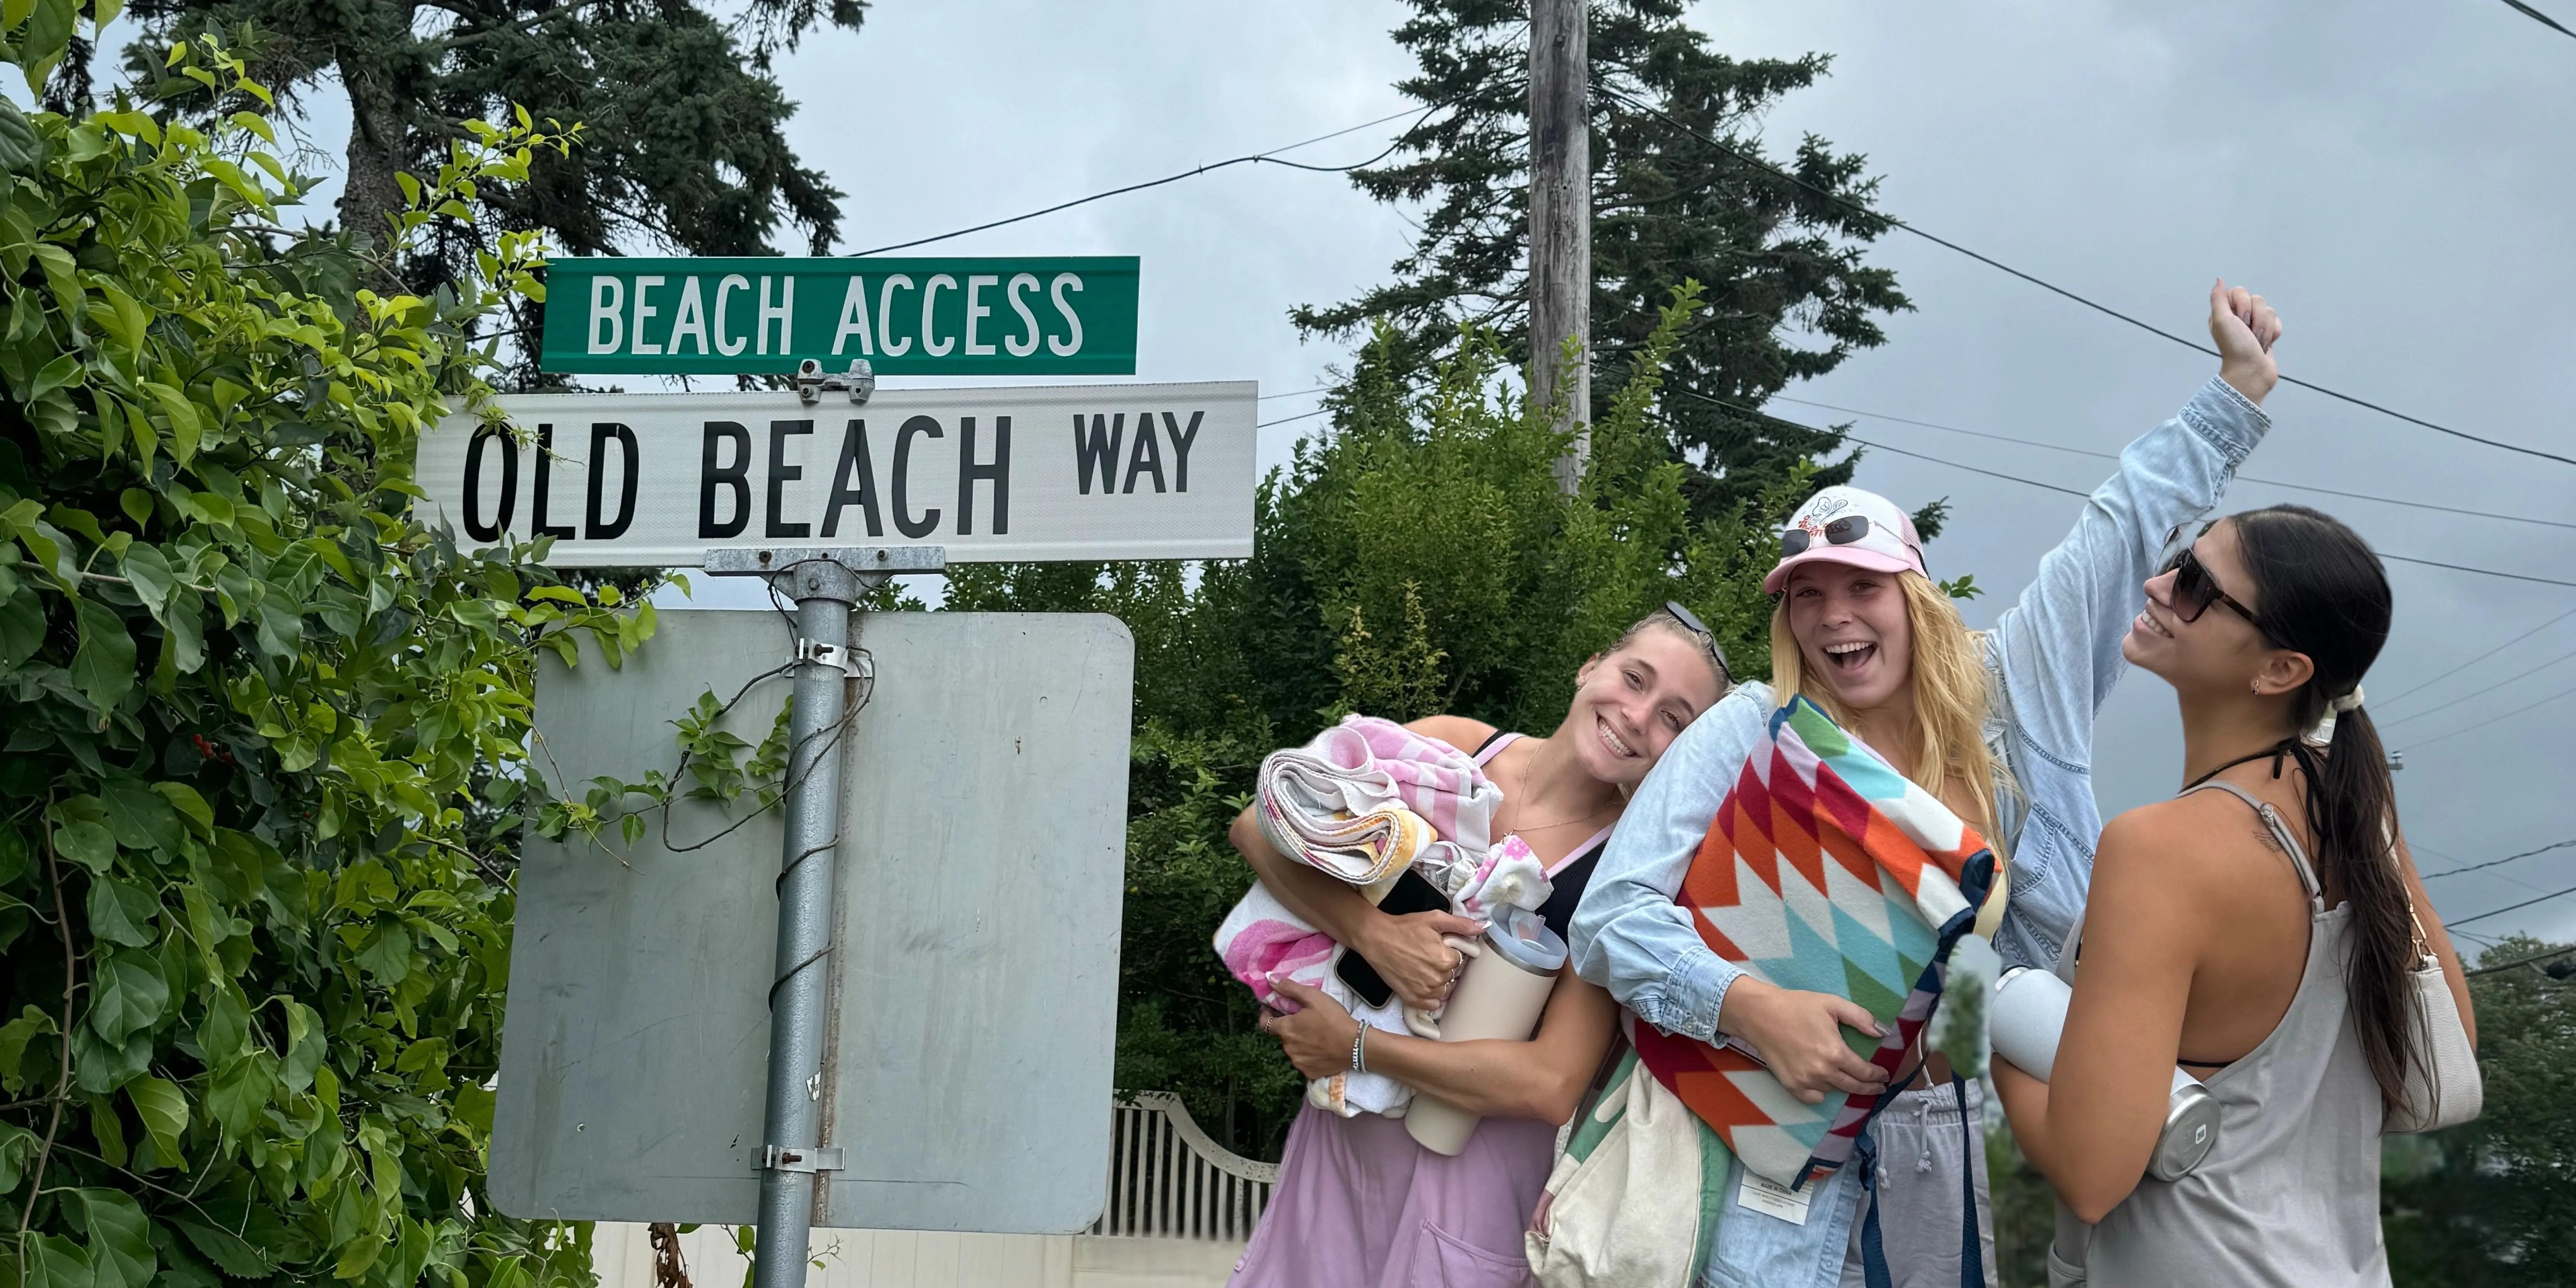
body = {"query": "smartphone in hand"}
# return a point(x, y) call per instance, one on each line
point(1412, 893)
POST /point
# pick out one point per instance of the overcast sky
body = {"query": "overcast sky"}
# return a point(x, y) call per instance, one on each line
point(2396, 177)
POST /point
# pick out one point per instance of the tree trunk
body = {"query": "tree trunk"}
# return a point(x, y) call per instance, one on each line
point(379, 147)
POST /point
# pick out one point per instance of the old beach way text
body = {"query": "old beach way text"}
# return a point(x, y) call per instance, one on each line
point(1131, 471)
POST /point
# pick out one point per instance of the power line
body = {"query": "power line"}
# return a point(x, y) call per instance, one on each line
point(2053, 288)
point(2518, 964)
point(2484, 656)
point(1271, 156)
point(1293, 393)
point(1303, 415)
point(2452, 872)
point(1992, 474)
point(2015, 478)
point(2113, 456)
point(2525, 709)
point(2498, 912)
point(2555, 661)
point(2537, 16)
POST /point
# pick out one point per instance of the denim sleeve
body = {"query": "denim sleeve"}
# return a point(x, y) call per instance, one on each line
point(2058, 648)
point(1629, 935)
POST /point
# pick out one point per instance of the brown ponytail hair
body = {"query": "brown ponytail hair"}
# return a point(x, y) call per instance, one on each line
point(2323, 593)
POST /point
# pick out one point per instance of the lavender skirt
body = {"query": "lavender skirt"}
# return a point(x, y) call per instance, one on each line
point(1360, 1205)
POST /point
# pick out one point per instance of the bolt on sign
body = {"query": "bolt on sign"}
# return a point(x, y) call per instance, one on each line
point(1124, 471)
point(1062, 316)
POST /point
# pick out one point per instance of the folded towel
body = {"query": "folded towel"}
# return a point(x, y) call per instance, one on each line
point(1365, 797)
point(1828, 871)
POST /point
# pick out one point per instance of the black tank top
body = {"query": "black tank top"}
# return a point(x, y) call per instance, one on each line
point(1569, 877)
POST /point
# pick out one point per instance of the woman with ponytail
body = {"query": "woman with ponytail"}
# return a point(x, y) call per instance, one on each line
point(2258, 930)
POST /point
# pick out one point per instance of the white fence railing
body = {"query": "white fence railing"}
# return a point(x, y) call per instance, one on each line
point(1167, 1180)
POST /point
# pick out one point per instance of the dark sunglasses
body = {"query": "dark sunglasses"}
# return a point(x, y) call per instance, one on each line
point(2194, 590)
point(1840, 532)
point(1690, 622)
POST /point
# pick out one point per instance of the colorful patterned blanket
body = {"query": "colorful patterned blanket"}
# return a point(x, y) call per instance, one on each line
point(1824, 870)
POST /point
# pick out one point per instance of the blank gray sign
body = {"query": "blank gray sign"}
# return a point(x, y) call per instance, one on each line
point(975, 973)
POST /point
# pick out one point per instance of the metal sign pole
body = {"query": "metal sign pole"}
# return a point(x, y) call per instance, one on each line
point(825, 584)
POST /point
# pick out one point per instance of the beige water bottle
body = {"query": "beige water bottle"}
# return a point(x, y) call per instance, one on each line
point(1501, 994)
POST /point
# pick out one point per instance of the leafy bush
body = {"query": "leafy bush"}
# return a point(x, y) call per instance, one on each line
point(254, 927)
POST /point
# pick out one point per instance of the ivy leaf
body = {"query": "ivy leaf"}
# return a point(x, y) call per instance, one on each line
point(103, 669)
point(227, 1250)
point(120, 1237)
point(101, 1067)
point(22, 627)
point(190, 804)
point(149, 571)
point(129, 995)
point(225, 1032)
point(18, 1147)
point(180, 1267)
point(141, 818)
point(303, 1044)
point(388, 956)
point(56, 1262)
point(240, 1090)
point(14, 1037)
point(164, 1111)
point(88, 844)
point(186, 623)
point(122, 913)
point(22, 150)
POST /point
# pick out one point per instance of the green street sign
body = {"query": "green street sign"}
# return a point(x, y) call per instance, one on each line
point(1073, 315)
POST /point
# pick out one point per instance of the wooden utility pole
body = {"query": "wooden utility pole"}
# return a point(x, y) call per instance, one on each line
point(1560, 221)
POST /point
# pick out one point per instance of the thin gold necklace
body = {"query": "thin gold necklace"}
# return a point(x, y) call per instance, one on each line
point(1544, 827)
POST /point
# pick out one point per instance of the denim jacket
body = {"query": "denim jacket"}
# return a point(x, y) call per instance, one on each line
point(2052, 659)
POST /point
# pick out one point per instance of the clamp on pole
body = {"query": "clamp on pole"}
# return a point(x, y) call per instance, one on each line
point(859, 382)
point(800, 1158)
point(853, 663)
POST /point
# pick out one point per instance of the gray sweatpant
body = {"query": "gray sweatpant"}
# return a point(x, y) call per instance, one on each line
point(1920, 1150)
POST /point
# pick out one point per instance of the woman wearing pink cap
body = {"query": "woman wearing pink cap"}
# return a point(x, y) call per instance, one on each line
point(1998, 724)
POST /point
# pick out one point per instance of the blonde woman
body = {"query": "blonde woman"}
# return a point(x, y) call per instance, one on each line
point(1998, 725)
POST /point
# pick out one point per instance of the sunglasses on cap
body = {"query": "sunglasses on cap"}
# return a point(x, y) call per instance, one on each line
point(1840, 532)
point(1708, 639)
point(2194, 590)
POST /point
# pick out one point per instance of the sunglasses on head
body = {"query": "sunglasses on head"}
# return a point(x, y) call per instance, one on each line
point(1840, 532)
point(1708, 638)
point(2194, 590)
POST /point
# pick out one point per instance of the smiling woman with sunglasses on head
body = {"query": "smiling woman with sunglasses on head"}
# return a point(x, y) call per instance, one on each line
point(1360, 1202)
point(2270, 935)
point(1998, 725)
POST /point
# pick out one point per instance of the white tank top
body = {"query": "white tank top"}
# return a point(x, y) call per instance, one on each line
point(2290, 1194)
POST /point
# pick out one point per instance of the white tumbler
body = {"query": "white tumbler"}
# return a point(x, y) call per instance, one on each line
point(2027, 1019)
point(1501, 994)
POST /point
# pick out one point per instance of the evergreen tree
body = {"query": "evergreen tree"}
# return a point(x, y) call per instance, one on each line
point(684, 145)
point(1789, 294)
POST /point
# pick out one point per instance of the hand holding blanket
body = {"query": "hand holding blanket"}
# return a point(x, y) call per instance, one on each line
point(1365, 800)
point(1824, 870)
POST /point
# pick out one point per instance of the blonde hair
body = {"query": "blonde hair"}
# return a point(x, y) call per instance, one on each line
point(1951, 697)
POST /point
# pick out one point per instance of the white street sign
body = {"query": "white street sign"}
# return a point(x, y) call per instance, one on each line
point(1124, 471)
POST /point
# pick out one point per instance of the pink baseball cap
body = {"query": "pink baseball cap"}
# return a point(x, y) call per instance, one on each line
point(1846, 525)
